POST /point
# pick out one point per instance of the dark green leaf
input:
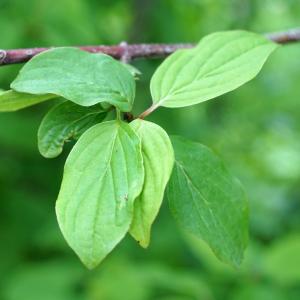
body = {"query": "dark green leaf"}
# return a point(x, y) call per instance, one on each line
point(64, 122)
point(207, 201)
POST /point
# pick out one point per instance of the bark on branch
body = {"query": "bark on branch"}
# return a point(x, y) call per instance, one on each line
point(128, 52)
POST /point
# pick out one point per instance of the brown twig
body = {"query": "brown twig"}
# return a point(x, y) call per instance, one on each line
point(129, 52)
point(123, 51)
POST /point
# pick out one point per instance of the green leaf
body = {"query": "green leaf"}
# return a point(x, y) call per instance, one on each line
point(103, 176)
point(207, 201)
point(158, 158)
point(220, 63)
point(12, 101)
point(79, 76)
point(64, 122)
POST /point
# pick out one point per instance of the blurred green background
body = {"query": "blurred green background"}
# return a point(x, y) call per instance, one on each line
point(256, 130)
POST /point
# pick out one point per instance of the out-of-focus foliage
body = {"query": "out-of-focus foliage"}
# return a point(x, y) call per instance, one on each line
point(256, 129)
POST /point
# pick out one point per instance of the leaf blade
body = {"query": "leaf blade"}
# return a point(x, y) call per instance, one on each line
point(12, 101)
point(158, 159)
point(81, 77)
point(207, 201)
point(63, 122)
point(103, 176)
point(220, 63)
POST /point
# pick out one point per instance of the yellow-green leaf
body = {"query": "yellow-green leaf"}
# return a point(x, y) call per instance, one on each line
point(103, 176)
point(12, 101)
point(220, 63)
point(158, 158)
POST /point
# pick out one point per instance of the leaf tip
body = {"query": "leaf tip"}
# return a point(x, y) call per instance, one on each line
point(90, 265)
point(144, 243)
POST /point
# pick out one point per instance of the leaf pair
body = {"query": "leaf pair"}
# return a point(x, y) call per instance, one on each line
point(220, 63)
point(103, 193)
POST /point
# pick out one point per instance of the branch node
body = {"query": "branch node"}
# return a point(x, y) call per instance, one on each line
point(125, 56)
point(128, 117)
point(3, 55)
